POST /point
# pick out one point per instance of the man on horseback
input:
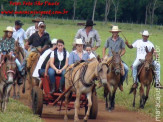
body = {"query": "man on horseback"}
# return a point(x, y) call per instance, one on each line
point(116, 44)
point(89, 35)
point(141, 53)
point(31, 30)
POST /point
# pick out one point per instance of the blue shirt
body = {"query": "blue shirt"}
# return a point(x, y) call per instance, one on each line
point(74, 57)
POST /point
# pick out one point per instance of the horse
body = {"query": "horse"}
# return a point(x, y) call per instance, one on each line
point(19, 52)
point(116, 70)
point(7, 77)
point(82, 78)
point(145, 76)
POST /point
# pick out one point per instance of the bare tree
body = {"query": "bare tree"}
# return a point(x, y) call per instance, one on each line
point(116, 5)
point(2, 9)
point(94, 9)
point(107, 9)
point(153, 11)
point(75, 2)
point(16, 7)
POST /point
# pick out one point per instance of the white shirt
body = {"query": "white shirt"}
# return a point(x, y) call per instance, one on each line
point(31, 30)
point(91, 55)
point(140, 45)
point(60, 55)
point(21, 35)
point(40, 62)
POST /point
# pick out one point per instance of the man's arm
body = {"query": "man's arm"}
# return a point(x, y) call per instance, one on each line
point(77, 36)
point(123, 51)
point(52, 64)
point(98, 41)
point(66, 64)
point(104, 52)
point(128, 45)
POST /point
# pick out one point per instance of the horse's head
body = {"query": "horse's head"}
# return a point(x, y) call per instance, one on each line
point(116, 62)
point(102, 70)
point(148, 58)
point(10, 68)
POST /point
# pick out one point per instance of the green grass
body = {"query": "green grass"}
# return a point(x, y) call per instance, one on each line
point(66, 30)
point(17, 112)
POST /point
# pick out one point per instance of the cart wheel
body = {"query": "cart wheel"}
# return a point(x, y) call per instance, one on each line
point(37, 101)
point(94, 108)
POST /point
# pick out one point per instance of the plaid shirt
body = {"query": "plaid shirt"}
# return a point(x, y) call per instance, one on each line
point(7, 45)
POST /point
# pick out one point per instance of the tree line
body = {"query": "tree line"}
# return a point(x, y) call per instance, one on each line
point(136, 11)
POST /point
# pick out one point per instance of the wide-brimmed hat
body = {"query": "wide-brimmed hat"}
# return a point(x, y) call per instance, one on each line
point(9, 29)
point(89, 23)
point(41, 24)
point(54, 41)
point(37, 20)
point(79, 41)
point(18, 22)
point(145, 33)
point(115, 29)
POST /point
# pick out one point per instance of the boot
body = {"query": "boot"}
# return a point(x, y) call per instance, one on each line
point(52, 88)
point(60, 88)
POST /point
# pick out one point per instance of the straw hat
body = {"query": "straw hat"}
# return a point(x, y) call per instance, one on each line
point(115, 29)
point(79, 41)
point(9, 29)
point(37, 20)
point(145, 33)
point(54, 41)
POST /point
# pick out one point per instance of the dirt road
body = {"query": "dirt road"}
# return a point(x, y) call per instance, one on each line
point(50, 113)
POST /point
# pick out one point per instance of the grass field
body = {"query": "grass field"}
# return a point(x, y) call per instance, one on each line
point(66, 30)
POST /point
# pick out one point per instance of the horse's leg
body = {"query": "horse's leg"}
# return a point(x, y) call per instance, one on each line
point(77, 105)
point(66, 105)
point(113, 98)
point(147, 93)
point(89, 97)
point(110, 94)
point(134, 97)
point(105, 96)
point(142, 96)
point(14, 90)
point(18, 92)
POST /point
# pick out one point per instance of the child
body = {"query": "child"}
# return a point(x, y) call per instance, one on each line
point(88, 48)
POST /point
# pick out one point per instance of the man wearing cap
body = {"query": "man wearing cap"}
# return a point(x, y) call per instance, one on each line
point(34, 28)
point(79, 53)
point(18, 33)
point(44, 60)
point(89, 35)
point(140, 44)
point(116, 44)
point(39, 41)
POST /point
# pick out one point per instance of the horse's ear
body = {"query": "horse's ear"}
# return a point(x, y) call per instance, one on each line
point(99, 67)
point(98, 58)
point(146, 49)
point(120, 51)
point(152, 51)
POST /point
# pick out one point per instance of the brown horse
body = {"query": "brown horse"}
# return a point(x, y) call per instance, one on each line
point(19, 52)
point(116, 69)
point(7, 77)
point(145, 76)
point(82, 78)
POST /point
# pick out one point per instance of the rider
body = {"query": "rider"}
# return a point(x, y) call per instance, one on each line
point(44, 60)
point(79, 53)
point(140, 44)
point(8, 46)
point(58, 62)
point(89, 35)
point(39, 41)
point(115, 43)
point(31, 30)
point(88, 48)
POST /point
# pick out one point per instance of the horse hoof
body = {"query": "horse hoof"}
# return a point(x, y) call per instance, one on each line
point(65, 118)
point(142, 107)
point(106, 109)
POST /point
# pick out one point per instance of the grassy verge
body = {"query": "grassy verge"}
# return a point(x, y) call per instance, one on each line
point(17, 112)
point(66, 30)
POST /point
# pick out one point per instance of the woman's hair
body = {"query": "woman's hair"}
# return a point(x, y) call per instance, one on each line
point(5, 35)
point(60, 41)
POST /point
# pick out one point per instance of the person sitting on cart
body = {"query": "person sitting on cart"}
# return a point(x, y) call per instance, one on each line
point(43, 61)
point(79, 53)
point(58, 63)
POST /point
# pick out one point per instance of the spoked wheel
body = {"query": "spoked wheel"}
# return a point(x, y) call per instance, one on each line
point(37, 100)
point(94, 108)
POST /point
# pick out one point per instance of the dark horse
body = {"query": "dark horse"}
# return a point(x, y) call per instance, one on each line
point(113, 78)
point(145, 76)
point(7, 77)
point(19, 52)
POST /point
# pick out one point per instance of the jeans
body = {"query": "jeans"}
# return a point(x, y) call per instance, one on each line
point(52, 73)
point(126, 72)
point(157, 70)
point(41, 72)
